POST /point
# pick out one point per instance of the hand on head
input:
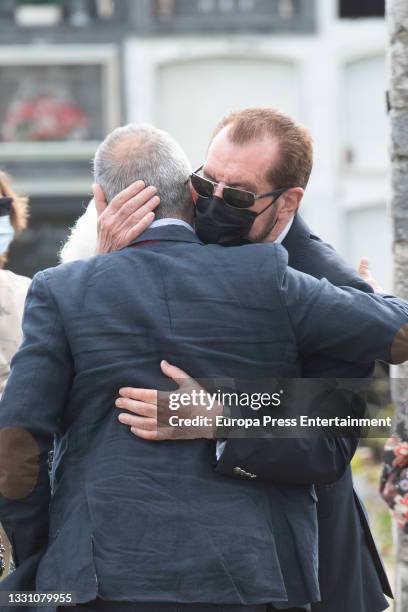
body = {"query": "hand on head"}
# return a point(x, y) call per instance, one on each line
point(125, 218)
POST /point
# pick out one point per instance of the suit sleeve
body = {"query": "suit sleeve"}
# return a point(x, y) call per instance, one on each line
point(30, 415)
point(343, 323)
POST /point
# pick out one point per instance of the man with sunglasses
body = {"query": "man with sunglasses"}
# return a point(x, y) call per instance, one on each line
point(249, 190)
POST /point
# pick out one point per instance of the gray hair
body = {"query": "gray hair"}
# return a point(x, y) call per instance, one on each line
point(143, 152)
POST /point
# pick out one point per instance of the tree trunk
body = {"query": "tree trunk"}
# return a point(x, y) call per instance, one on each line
point(397, 16)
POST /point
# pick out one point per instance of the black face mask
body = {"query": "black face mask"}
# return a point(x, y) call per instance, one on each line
point(216, 222)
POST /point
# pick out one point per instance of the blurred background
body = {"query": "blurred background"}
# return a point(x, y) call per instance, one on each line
point(71, 70)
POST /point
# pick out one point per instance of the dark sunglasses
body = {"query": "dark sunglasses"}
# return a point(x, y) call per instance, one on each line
point(239, 198)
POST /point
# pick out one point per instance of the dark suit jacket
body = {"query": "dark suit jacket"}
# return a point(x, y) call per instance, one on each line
point(140, 521)
point(351, 573)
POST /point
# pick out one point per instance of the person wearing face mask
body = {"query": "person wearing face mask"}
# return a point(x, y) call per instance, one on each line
point(13, 290)
point(227, 219)
point(13, 287)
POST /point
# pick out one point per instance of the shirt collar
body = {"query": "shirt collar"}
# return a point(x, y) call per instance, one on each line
point(171, 221)
point(285, 232)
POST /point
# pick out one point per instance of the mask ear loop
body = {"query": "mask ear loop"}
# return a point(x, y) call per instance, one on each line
point(272, 203)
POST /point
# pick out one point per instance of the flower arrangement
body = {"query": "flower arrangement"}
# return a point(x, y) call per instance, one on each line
point(394, 482)
point(44, 117)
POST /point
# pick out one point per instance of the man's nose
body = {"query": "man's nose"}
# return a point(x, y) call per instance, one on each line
point(219, 189)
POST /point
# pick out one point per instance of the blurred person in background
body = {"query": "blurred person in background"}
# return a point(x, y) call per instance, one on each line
point(13, 288)
point(13, 291)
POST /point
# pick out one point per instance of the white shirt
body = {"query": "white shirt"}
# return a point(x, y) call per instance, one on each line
point(284, 232)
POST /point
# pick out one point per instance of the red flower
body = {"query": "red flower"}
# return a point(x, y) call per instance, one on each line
point(44, 117)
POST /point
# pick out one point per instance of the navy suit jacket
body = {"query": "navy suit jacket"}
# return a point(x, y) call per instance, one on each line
point(351, 573)
point(140, 521)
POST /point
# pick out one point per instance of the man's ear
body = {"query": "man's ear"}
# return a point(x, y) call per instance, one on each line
point(99, 199)
point(194, 194)
point(291, 202)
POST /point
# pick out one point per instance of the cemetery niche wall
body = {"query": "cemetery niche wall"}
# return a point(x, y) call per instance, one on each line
point(56, 107)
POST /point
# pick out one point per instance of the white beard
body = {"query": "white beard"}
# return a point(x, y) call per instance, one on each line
point(82, 241)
